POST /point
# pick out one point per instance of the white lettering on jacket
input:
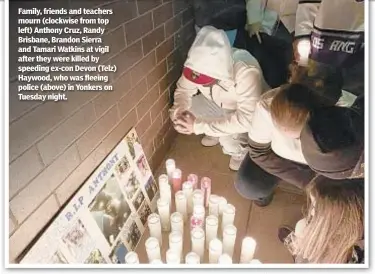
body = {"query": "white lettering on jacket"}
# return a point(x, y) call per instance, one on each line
point(343, 46)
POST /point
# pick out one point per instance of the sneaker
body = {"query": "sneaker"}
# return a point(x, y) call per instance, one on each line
point(235, 162)
point(284, 232)
point(262, 202)
point(208, 141)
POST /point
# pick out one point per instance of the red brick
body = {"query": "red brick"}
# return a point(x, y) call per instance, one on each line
point(143, 124)
point(153, 39)
point(156, 74)
point(138, 27)
point(127, 58)
point(148, 100)
point(140, 70)
point(132, 98)
point(160, 104)
point(116, 42)
point(164, 49)
point(146, 5)
point(152, 131)
point(162, 14)
point(123, 11)
point(173, 25)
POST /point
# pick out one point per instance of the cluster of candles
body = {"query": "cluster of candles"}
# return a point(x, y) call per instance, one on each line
point(191, 203)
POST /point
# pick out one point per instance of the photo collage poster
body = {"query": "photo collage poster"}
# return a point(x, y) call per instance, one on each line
point(108, 215)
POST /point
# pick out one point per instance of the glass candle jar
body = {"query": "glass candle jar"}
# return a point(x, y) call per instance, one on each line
point(229, 239)
point(172, 257)
point(131, 258)
point(213, 205)
point(247, 250)
point(176, 180)
point(212, 225)
point(152, 249)
point(181, 204)
point(176, 242)
point(197, 242)
point(177, 222)
point(225, 259)
point(228, 216)
point(215, 250)
point(187, 188)
point(154, 226)
point(198, 197)
point(170, 166)
point(193, 178)
point(206, 188)
point(192, 258)
point(164, 213)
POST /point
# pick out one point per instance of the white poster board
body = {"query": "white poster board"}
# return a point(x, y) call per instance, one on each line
point(107, 216)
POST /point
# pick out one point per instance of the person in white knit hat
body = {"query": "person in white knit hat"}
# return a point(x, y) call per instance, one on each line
point(228, 79)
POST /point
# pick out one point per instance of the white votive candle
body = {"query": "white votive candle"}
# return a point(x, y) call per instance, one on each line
point(198, 197)
point(212, 225)
point(166, 194)
point(225, 259)
point(213, 205)
point(131, 258)
point(215, 250)
point(199, 212)
point(176, 242)
point(172, 257)
point(187, 188)
point(197, 242)
point(154, 226)
point(229, 239)
point(152, 249)
point(193, 178)
point(192, 258)
point(181, 204)
point(228, 216)
point(170, 166)
point(247, 250)
point(163, 180)
point(177, 222)
point(222, 204)
point(176, 180)
point(164, 213)
point(206, 187)
point(156, 261)
point(255, 261)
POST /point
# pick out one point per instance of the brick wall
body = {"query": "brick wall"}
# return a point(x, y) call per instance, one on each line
point(54, 147)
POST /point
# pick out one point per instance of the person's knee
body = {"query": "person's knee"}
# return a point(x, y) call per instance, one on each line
point(251, 188)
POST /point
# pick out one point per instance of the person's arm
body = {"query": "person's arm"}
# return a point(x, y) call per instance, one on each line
point(260, 137)
point(248, 89)
point(185, 90)
point(253, 11)
point(305, 16)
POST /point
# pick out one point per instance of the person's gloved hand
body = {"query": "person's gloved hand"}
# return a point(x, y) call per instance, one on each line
point(254, 29)
point(174, 113)
point(184, 124)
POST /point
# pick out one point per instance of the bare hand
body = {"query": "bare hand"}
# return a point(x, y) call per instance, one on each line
point(254, 29)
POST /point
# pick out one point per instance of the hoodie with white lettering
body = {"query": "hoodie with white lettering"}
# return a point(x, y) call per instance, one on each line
point(237, 83)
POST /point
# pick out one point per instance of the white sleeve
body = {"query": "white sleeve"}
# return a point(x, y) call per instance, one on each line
point(185, 90)
point(248, 90)
point(305, 16)
point(260, 130)
point(254, 11)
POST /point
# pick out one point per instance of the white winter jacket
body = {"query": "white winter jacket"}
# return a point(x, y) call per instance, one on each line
point(269, 11)
point(238, 89)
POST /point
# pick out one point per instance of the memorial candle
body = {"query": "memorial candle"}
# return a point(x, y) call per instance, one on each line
point(197, 242)
point(229, 239)
point(156, 261)
point(213, 205)
point(163, 180)
point(181, 204)
point(176, 180)
point(225, 259)
point(176, 242)
point(170, 166)
point(131, 258)
point(164, 213)
point(215, 250)
point(153, 249)
point(187, 188)
point(177, 222)
point(172, 257)
point(247, 250)
point(228, 216)
point(206, 188)
point(193, 178)
point(154, 226)
point(222, 204)
point(198, 197)
point(192, 258)
point(255, 261)
point(212, 225)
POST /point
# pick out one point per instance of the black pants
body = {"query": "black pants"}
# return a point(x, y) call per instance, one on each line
point(252, 182)
point(274, 54)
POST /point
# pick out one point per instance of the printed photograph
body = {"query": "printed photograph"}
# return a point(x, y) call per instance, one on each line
point(138, 200)
point(58, 258)
point(143, 166)
point(134, 144)
point(144, 212)
point(118, 253)
point(151, 188)
point(122, 168)
point(95, 257)
point(110, 210)
point(133, 235)
point(77, 239)
point(131, 186)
